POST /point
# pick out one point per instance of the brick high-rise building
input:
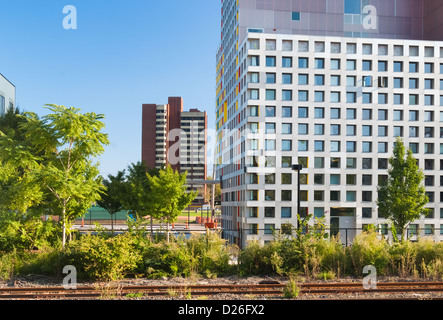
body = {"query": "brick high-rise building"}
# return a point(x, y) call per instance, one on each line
point(329, 84)
point(171, 136)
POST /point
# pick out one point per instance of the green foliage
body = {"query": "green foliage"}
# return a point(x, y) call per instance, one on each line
point(403, 197)
point(368, 249)
point(26, 233)
point(291, 290)
point(168, 195)
point(48, 167)
point(102, 258)
point(206, 255)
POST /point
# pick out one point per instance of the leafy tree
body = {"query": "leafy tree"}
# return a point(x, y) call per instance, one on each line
point(111, 199)
point(402, 198)
point(137, 189)
point(168, 196)
point(64, 144)
point(18, 165)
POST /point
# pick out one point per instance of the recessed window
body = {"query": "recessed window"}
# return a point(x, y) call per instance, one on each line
point(295, 16)
point(353, 6)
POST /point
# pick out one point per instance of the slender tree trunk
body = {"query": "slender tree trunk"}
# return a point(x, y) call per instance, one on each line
point(152, 229)
point(167, 232)
point(64, 228)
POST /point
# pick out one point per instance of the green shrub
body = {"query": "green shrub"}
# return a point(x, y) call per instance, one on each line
point(257, 259)
point(368, 249)
point(403, 258)
point(96, 257)
point(205, 255)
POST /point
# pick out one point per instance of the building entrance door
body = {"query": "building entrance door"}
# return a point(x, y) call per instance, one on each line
point(343, 222)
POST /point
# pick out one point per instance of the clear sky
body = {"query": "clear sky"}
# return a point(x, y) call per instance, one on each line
point(123, 54)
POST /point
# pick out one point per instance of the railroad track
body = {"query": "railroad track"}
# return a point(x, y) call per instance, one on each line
point(112, 292)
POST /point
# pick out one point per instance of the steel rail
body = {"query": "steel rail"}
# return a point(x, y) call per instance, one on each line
point(198, 290)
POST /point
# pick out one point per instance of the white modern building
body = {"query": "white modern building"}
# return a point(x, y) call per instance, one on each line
point(329, 85)
point(7, 95)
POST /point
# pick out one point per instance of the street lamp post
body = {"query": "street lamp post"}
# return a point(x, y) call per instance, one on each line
point(298, 168)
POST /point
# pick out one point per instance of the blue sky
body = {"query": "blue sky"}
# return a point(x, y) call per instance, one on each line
point(123, 54)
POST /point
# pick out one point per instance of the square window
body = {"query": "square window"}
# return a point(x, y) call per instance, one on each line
point(366, 97)
point(335, 64)
point(413, 83)
point(302, 112)
point(319, 113)
point(286, 78)
point(319, 80)
point(319, 129)
point(350, 64)
point(295, 16)
point(286, 195)
point(367, 163)
point(398, 66)
point(367, 114)
point(351, 146)
point(286, 95)
point(319, 179)
point(286, 145)
point(319, 96)
point(270, 94)
point(335, 113)
point(270, 61)
point(335, 130)
point(269, 212)
point(334, 195)
point(335, 163)
point(429, 68)
point(302, 95)
point(335, 80)
point(367, 65)
point(351, 130)
point(351, 113)
point(303, 63)
point(270, 128)
point(286, 162)
point(303, 129)
point(270, 78)
point(398, 83)
point(269, 111)
point(302, 145)
point(319, 163)
point(351, 196)
point(270, 44)
point(353, 6)
point(351, 163)
point(286, 112)
point(270, 195)
point(350, 81)
point(270, 162)
point(287, 62)
point(270, 178)
point(319, 63)
point(319, 146)
point(303, 79)
point(286, 178)
point(286, 212)
point(366, 196)
point(270, 144)
point(335, 179)
point(335, 97)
